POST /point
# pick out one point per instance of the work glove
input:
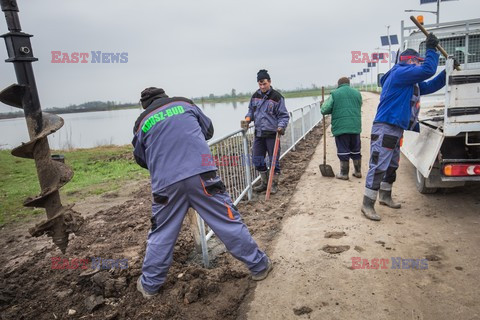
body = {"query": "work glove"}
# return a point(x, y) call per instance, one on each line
point(455, 64)
point(431, 42)
point(281, 131)
point(244, 124)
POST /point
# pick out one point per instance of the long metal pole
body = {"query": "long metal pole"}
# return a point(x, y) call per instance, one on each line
point(467, 47)
point(247, 164)
point(389, 49)
point(438, 11)
point(203, 241)
point(303, 124)
point(371, 77)
point(292, 130)
point(402, 24)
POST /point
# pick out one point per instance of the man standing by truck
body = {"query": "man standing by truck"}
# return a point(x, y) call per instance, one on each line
point(170, 141)
point(344, 104)
point(397, 111)
point(267, 109)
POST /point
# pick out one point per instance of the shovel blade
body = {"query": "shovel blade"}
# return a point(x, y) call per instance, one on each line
point(326, 170)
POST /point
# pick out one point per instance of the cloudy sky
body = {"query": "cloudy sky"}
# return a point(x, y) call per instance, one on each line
point(197, 47)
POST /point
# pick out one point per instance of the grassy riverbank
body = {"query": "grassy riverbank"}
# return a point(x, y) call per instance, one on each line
point(96, 171)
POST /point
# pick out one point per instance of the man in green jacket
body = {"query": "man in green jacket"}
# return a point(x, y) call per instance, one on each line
point(344, 104)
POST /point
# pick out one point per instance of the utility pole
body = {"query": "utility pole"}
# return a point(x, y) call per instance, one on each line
point(371, 78)
point(389, 48)
point(438, 11)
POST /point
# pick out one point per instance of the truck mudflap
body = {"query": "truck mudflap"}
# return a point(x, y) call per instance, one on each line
point(422, 148)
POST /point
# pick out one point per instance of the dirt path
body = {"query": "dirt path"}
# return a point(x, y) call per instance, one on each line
point(310, 283)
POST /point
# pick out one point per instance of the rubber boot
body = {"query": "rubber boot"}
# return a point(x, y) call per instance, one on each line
point(357, 165)
point(368, 209)
point(264, 182)
point(385, 198)
point(274, 189)
point(344, 168)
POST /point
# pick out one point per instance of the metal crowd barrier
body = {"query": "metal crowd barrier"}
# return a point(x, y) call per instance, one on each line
point(231, 154)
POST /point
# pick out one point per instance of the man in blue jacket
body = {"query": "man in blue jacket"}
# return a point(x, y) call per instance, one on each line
point(170, 141)
point(267, 110)
point(397, 111)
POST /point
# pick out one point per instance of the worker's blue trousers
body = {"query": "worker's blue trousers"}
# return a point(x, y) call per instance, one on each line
point(206, 194)
point(348, 146)
point(384, 158)
point(262, 146)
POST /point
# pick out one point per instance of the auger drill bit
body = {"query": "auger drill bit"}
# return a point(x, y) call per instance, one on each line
point(52, 175)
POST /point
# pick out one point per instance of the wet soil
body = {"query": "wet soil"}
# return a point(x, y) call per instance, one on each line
point(37, 281)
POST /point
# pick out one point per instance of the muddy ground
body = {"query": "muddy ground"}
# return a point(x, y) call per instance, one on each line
point(116, 228)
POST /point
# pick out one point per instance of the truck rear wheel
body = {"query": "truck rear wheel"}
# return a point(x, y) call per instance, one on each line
point(421, 184)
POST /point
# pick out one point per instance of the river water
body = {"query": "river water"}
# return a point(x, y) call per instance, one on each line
point(92, 129)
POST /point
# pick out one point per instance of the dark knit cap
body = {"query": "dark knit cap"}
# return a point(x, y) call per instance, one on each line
point(343, 80)
point(150, 94)
point(263, 74)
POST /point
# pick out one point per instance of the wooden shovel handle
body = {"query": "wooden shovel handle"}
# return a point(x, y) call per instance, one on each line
point(425, 32)
point(272, 167)
point(324, 131)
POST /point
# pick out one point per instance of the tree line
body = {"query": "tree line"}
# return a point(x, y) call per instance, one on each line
point(84, 107)
point(233, 96)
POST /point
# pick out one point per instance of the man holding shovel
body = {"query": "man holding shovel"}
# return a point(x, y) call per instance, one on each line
point(344, 104)
point(267, 110)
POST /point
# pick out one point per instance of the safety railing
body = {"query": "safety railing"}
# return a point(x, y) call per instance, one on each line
point(231, 154)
